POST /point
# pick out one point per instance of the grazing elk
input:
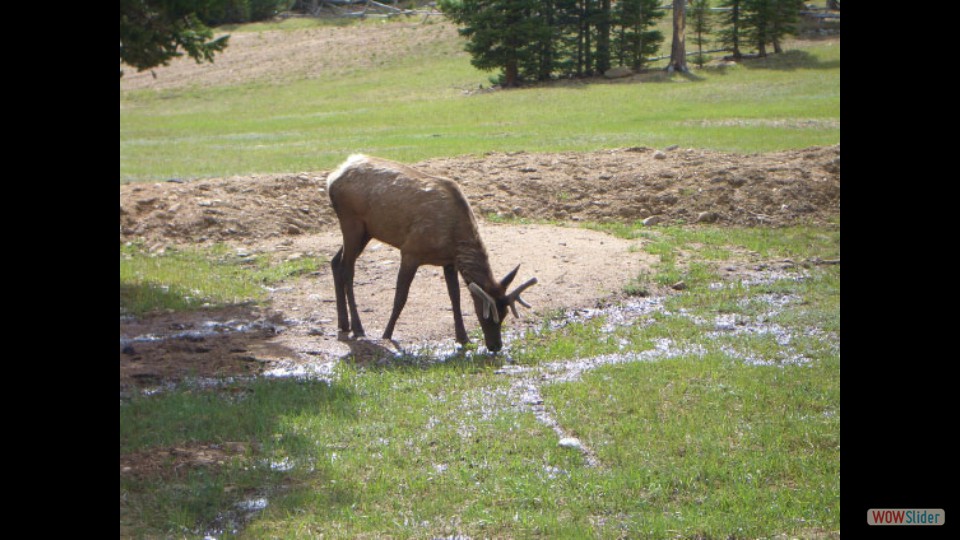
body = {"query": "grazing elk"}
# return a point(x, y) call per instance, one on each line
point(430, 221)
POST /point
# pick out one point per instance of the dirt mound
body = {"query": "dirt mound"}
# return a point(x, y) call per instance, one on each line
point(631, 184)
point(244, 209)
point(679, 185)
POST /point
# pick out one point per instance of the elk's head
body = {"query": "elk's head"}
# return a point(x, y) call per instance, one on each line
point(492, 306)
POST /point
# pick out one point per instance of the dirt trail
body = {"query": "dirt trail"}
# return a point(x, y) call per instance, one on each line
point(287, 215)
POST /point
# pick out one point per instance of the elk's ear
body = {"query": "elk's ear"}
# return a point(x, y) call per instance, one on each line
point(505, 282)
point(489, 305)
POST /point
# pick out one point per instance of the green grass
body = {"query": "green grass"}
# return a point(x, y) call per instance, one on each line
point(415, 108)
point(712, 448)
point(191, 278)
point(739, 439)
point(693, 254)
point(697, 445)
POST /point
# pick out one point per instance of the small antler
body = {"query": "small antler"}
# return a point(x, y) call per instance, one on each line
point(515, 296)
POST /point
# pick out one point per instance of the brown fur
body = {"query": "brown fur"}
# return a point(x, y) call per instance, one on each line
point(429, 220)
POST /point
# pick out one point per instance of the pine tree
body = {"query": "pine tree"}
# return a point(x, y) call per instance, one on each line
point(731, 33)
point(502, 34)
point(603, 36)
point(701, 24)
point(768, 21)
point(635, 41)
point(541, 39)
point(153, 32)
point(758, 23)
point(786, 15)
point(587, 17)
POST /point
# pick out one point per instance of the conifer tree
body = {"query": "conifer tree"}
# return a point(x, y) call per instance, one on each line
point(786, 14)
point(636, 40)
point(153, 32)
point(731, 34)
point(503, 34)
point(757, 21)
point(540, 39)
point(768, 21)
point(701, 24)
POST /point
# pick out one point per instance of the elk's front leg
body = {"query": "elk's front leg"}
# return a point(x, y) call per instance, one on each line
point(453, 288)
point(408, 269)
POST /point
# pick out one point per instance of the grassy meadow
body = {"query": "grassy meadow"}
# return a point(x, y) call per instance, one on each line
point(727, 425)
point(420, 106)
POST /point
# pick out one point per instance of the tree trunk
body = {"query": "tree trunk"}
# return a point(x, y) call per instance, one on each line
point(587, 45)
point(581, 37)
point(603, 37)
point(699, 49)
point(678, 51)
point(735, 31)
point(511, 73)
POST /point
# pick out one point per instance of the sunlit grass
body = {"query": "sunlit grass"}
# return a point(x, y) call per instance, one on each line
point(417, 107)
point(182, 279)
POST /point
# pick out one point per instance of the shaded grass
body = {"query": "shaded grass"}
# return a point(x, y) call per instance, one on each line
point(178, 499)
point(369, 455)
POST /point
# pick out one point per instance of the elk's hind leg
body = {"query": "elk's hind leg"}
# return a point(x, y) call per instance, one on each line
point(355, 239)
point(343, 321)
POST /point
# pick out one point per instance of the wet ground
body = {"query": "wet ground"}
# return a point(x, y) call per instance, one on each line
point(526, 381)
point(273, 346)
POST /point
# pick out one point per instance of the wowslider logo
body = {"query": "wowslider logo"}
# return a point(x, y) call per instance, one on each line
point(903, 516)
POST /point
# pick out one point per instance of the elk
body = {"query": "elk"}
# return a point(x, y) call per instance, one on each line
point(430, 221)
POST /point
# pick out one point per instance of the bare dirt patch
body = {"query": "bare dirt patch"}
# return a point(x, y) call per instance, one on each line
point(287, 215)
point(169, 461)
point(278, 56)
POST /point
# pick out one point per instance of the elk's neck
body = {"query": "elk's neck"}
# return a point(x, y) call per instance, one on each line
point(474, 264)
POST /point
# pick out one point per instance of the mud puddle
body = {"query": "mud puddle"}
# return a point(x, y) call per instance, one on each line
point(231, 522)
point(320, 364)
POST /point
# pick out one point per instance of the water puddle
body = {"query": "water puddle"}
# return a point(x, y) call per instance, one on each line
point(231, 522)
point(204, 330)
point(313, 371)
